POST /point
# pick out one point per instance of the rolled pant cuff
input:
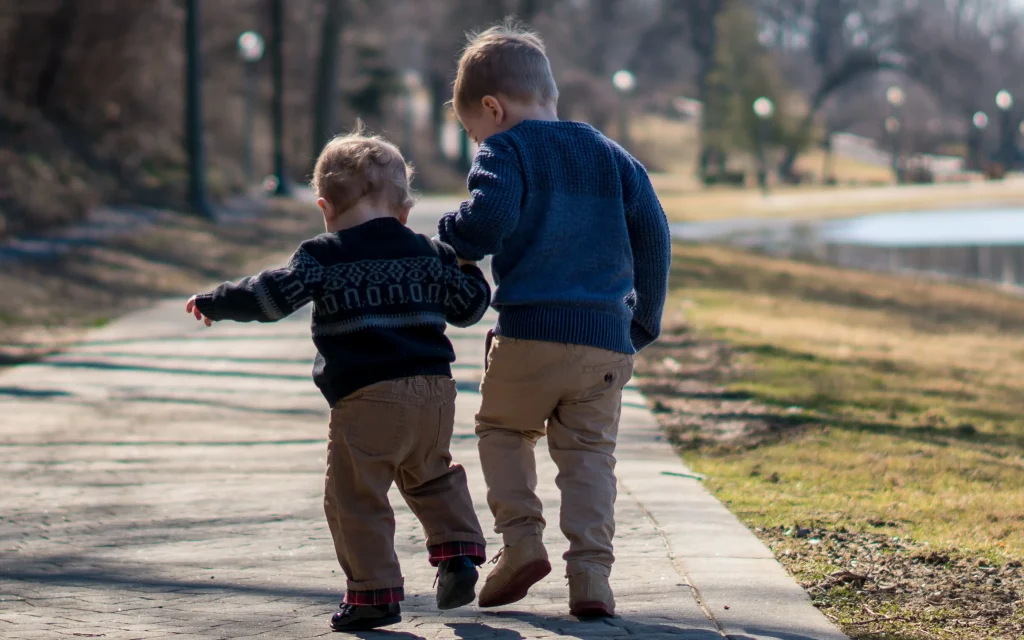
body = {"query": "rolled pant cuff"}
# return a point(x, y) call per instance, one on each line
point(375, 596)
point(573, 567)
point(511, 537)
point(476, 551)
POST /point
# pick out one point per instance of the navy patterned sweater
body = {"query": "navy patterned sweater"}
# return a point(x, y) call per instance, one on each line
point(581, 245)
point(382, 295)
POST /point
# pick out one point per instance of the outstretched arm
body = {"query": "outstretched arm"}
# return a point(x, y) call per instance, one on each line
point(469, 295)
point(267, 297)
point(651, 243)
point(491, 214)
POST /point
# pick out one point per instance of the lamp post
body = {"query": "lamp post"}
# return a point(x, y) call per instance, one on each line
point(980, 122)
point(892, 130)
point(194, 113)
point(1007, 146)
point(624, 82)
point(895, 96)
point(277, 57)
point(411, 81)
point(250, 50)
point(764, 109)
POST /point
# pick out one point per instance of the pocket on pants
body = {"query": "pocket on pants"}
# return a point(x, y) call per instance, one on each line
point(372, 426)
point(613, 373)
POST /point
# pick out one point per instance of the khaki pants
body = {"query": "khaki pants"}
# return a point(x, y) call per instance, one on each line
point(573, 394)
point(394, 431)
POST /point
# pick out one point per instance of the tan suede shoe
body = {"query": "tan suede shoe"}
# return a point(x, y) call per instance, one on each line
point(520, 566)
point(590, 595)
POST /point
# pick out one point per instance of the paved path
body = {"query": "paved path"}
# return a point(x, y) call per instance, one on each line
point(165, 480)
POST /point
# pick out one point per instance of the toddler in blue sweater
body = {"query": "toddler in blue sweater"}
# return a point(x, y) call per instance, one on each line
point(581, 253)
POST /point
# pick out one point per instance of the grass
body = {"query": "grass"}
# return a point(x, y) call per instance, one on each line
point(894, 406)
point(684, 204)
point(672, 147)
point(919, 383)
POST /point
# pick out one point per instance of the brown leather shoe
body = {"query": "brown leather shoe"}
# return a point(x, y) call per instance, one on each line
point(520, 566)
point(590, 595)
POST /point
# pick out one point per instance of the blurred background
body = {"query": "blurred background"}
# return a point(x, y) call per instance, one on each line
point(94, 93)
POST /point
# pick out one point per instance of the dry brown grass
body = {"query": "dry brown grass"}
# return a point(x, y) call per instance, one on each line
point(47, 303)
point(866, 404)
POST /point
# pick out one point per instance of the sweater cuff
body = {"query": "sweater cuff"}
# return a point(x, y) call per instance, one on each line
point(206, 305)
point(463, 250)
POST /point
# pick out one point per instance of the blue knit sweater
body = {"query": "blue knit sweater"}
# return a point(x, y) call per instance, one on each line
point(581, 245)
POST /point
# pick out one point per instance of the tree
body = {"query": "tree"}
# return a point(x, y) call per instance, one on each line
point(743, 71)
point(963, 52)
point(702, 20)
point(848, 39)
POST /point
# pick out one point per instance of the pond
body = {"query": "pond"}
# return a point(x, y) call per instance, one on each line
point(981, 227)
point(985, 244)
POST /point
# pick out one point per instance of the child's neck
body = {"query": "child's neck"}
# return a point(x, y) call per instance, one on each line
point(542, 112)
point(357, 215)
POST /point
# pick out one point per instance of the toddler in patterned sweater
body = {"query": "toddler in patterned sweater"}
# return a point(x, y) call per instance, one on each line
point(381, 297)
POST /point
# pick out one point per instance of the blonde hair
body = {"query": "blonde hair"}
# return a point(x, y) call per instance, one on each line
point(506, 59)
point(357, 165)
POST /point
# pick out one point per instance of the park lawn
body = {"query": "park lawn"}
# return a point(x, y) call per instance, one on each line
point(683, 203)
point(851, 417)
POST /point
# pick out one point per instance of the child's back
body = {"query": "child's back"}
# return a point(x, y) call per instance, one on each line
point(574, 228)
point(581, 254)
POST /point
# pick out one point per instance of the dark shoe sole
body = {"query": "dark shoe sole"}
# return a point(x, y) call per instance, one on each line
point(366, 624)
point(519, 586)
point(588, 609)
point(461, 593)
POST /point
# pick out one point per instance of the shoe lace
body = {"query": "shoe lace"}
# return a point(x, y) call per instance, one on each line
point(497, 556)
point(345, 608)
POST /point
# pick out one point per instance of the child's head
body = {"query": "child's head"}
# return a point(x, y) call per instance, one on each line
point(358, 176)
point(504, 77)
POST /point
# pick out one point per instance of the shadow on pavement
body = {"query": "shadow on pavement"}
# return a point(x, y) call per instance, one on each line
point(601, 628)
point(474, 630)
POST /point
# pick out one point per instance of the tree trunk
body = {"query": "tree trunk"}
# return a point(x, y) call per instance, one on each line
point(61, 26)
point(325, 99)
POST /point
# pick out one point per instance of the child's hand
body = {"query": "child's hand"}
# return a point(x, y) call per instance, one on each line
point(463, 263)
point(191, 307)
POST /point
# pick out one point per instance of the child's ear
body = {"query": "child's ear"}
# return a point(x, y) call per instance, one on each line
point(403, 215)
point(326, 209)
point(492, 107)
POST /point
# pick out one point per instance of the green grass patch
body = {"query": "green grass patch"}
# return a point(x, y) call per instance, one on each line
point(893, 408)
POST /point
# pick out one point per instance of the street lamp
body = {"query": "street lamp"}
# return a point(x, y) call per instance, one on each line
point(1004, 101)
point(277, 56)
point(250, 50)
point(764, 109)
point(980, 122)
point(895, 96)
point(892, 128)
point(194, 113)
point(624, 82)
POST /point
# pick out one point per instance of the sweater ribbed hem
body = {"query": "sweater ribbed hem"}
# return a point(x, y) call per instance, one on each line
point(585, 327)
point(337, 389)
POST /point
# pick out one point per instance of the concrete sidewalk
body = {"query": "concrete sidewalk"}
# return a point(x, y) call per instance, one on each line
point(164, 479)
